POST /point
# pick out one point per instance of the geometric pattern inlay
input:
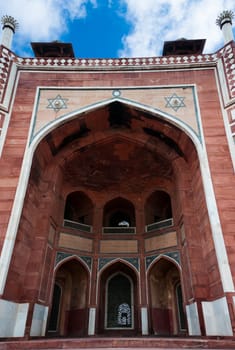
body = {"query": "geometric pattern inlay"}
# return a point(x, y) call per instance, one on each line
point(133, 261)
point(174, 255)
point(57, 103)
point(175, 102)
point(228, 61)
point(104, 261)
point(87, 260)
point(6, 59)
point(61, 256)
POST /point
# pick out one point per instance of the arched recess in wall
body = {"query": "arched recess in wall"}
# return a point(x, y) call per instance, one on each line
point(119, 311)
point(119, 213)
point(158, 211)
point(68, 315)
point(82, 149)
point(78, 211)
point(167, 312)
point(118, 300)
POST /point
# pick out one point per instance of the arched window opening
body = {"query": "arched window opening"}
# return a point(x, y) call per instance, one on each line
point(119, 216)
point(78, 212)
point(158, 211)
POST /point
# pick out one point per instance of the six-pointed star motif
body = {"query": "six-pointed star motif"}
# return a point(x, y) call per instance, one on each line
point(174, 101)
point(57, 103)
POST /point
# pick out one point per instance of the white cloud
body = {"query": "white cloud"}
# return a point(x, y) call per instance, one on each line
point(43, 20)
point(156, 21)
point(151, 21)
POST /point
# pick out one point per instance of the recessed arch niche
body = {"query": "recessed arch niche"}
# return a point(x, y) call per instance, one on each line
point(119, 302)
point(79, 208)
point(69, 306)
point(119, 212)
point(165, 295)
point(118, 305)
point(158, 207)
point(109, 160)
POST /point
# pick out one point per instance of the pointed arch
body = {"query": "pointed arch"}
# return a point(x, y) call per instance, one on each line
point(72, 277)
point(119, 310)
point(109, 313)
point(166, 257)
point(220, 248)
point(79, 211)
point(67, 259)
point(158, 210)
point(119, 212)
point(163, 278)
point(118, 260)
point(148, 110)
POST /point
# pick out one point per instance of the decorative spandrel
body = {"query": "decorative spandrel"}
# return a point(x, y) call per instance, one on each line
point(178, 102)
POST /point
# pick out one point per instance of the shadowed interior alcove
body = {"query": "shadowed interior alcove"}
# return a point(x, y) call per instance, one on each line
point(117, 212)
point(164, 282)
point(71, 304)
point(118, 300)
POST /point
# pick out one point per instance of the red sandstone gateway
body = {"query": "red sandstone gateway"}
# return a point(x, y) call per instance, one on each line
point(117, 187)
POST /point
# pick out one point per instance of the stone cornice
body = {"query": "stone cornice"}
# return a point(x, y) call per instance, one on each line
point(116, 63)
point(7, 57)
point(109, 63)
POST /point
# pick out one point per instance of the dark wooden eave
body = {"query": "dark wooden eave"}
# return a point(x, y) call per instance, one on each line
point(52, 49)
point(183, 47)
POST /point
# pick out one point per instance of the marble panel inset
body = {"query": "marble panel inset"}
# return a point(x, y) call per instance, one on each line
point(216, 317)
point(193, 319)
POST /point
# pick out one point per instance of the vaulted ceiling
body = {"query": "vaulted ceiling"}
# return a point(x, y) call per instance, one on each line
point(115, 146)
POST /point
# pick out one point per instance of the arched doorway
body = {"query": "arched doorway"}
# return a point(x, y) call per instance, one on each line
point(166, 302)
point(69, 313)
point(118, 300)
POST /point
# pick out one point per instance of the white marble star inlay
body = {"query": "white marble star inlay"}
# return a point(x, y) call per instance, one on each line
point(57, 103)
point(175, 102)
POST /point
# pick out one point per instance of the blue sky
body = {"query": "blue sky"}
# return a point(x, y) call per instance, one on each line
point(115, 28)
point(99, 34)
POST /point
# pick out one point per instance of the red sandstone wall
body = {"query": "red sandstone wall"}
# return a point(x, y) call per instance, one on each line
point(216, 143)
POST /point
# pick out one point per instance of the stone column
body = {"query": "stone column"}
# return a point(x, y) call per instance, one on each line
point(9, 26)
point(224, 21)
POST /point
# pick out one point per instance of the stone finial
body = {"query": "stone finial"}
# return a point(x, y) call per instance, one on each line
point(224, 21)
point(9, 26)
point(225, 16)
point(10, 22)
